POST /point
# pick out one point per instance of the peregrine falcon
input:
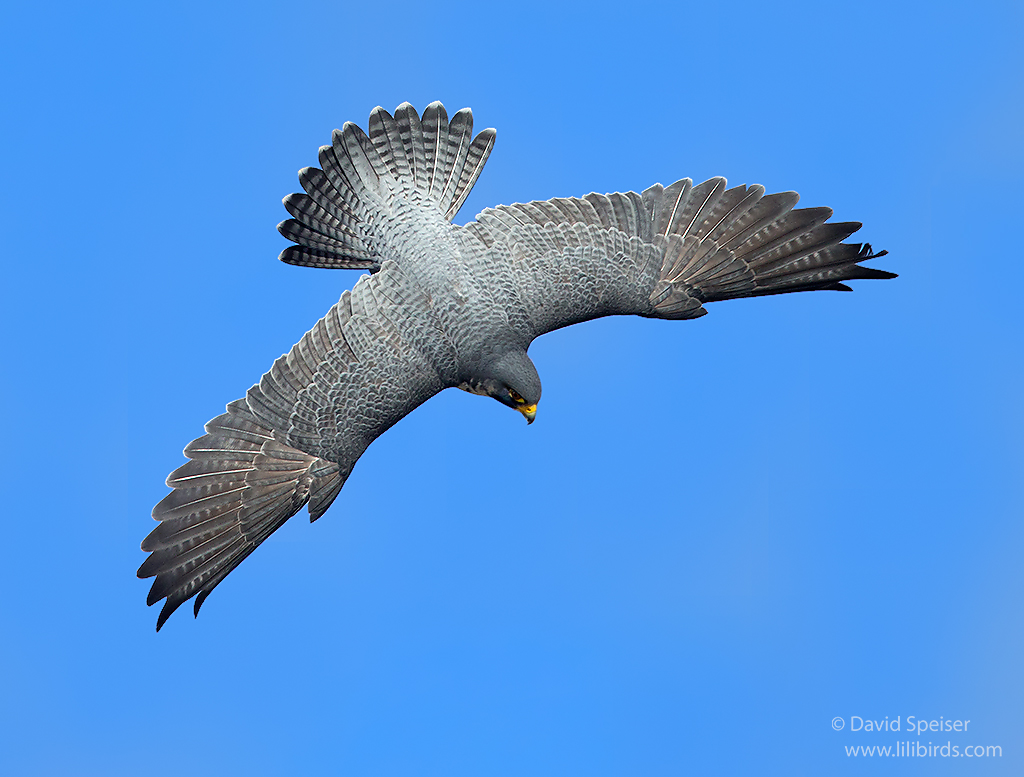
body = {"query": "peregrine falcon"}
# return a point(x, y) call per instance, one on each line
point(447, 306)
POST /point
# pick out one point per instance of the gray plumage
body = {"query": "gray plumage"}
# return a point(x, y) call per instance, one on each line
point(448, 306)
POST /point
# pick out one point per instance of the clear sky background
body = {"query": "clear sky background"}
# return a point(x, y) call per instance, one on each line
point(718, 536)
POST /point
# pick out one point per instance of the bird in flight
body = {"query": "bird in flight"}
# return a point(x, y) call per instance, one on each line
point(447, 306)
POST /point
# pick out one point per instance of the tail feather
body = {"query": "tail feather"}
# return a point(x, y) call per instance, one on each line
point(383, 131)
point(238, 487)
point(357, 161)
point(435, 143)
point(323, 210)
point(410, 130)
point(346, 217)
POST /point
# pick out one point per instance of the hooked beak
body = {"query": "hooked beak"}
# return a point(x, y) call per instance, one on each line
point(529, 412)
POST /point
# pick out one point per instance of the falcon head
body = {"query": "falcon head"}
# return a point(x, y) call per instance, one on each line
point(512, 380)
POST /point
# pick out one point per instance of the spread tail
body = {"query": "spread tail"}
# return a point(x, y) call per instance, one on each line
point(354, 212)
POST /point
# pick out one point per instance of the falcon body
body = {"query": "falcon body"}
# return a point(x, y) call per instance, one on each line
point(448, 306)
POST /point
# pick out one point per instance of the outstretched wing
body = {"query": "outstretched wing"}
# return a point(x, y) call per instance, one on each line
point(294, 439)
point(666, 252)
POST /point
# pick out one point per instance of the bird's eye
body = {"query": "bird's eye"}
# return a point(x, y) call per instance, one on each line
point(515, 397)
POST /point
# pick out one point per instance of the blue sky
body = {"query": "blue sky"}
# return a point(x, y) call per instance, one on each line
point(719, 535)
